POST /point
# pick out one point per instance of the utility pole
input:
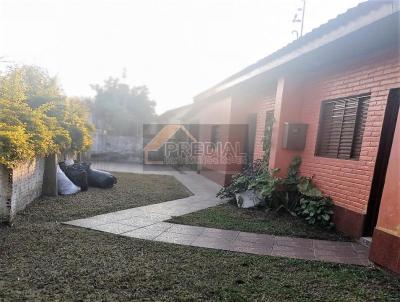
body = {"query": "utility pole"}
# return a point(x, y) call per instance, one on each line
point(296, 19)
point(302, 18)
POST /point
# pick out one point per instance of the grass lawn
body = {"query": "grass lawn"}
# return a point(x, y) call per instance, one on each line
point(230, 217)
point(43, 260)
point(132, 190)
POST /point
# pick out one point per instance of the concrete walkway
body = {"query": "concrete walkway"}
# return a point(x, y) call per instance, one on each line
point(148, 222)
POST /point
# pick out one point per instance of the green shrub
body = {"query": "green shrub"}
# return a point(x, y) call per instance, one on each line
point(14, 144)
point(295, 194)
point(268, 184)
point(317, 212)
point(36, 119)
point(241, 182)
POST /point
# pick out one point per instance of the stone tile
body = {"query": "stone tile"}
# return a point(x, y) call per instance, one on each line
point(106, 218)
point(214, 243)
point(161, 225)
point(252, 250)
point(86, 223)
point(150, 232)
point(293, 252)
point(185, 239)
point(179, 212)
point(155, 216)
point(365, 261)
point(138, 221)
point(257, 238)
point(330, 245)
point(129, 212)
point(364, 254)
point(251, 247)
point(336, 253)
point(217, 233)
point(114, 228)
point(146, 222)
point(144, 233)
point(293, 242)
point(186, 229)
point(359, 248)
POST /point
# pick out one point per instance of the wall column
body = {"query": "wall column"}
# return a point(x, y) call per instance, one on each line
point(50, 187)
point(385, 249)
point(288, 104)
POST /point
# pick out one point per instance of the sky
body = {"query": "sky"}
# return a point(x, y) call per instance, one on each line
point(177, 48)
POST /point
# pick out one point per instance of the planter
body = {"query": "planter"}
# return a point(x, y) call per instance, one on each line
point(248, 199)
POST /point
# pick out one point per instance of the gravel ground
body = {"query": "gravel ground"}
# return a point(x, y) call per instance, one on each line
point(43, 260)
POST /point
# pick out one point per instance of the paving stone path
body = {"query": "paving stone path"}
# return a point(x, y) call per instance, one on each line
point(148, 222)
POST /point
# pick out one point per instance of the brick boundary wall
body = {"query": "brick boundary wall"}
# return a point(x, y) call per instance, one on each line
point(5, 194)
point(20, 186)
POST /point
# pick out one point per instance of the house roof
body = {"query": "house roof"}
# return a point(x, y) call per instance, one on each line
point(164, 135)
point(175, 115)
point(366, 12)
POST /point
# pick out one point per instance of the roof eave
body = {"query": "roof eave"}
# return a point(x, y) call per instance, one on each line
point(340, 32)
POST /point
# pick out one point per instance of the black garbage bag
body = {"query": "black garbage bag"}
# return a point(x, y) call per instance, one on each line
point(98, 178)
point(101, 179)
point(77, 174)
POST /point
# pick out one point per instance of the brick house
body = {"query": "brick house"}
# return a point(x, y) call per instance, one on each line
point(340, 80)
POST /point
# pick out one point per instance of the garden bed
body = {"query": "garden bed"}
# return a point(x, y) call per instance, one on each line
point(230, 217)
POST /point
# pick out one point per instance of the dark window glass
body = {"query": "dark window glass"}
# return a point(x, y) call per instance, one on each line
point(341, 127)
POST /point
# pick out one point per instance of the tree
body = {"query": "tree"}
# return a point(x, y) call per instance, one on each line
point(31, 84)
point(119, 108)
point(36, 119)
point(12, 87)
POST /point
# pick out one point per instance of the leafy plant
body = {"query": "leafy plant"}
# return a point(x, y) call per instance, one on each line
point(308, 189)
point(268, 184)
point(289, 195)
point(296, 194)
point(267, 140)
point(14, 144)
point(36, 119)
point(241, 182)
point(317, 212)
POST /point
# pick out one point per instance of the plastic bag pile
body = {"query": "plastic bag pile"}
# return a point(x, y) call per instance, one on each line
point(74, 177)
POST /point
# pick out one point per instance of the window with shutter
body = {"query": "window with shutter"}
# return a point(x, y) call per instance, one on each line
point(341, 127)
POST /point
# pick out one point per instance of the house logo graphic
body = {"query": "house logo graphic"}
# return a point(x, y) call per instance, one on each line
point(165, 143)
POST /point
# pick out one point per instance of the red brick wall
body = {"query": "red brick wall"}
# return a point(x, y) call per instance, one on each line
point(348, 182)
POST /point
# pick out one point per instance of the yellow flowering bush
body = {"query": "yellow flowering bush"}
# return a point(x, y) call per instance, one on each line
point(14, 144)
point(33, 123)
